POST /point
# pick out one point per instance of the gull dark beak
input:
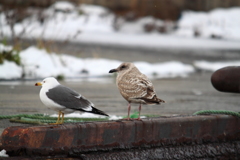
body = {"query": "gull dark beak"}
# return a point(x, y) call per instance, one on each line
point(112, 70)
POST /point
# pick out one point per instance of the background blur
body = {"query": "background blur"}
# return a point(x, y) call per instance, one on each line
point(178, 44)
point(163, 9)
point(89, 28)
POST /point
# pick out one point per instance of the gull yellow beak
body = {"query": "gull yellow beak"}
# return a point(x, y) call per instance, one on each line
point(38, 84)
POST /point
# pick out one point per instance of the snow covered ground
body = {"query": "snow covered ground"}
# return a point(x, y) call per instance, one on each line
point(89, 115)
point(37, 63)
point(96, 24)
point(213, 66)
point(221, 23)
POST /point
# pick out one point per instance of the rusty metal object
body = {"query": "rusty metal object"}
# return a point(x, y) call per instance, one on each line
point(184, 137)
point(227, 79)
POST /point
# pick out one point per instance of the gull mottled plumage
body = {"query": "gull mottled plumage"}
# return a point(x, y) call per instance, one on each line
point(63, 99)
point(135, 87)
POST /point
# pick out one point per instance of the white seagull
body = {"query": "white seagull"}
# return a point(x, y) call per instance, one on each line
point(64, 100)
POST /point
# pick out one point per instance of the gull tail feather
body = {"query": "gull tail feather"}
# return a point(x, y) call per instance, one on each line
point(97, 111)
point(160, 100)
point(154, 100)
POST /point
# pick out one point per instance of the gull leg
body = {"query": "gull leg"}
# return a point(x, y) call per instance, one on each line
point(139, 111)
point(59, 114)
point(57, 122)
point(62, 121)
point(129, 109)
point(62, 118)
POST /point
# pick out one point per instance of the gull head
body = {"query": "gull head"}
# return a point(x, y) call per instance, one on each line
point(124, 67)
point(49, 82)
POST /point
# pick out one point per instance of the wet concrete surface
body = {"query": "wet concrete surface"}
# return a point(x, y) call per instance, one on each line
point(184, 96)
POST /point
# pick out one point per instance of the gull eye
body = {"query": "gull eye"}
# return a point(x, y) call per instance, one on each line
point(44, 81)
point(122, 67)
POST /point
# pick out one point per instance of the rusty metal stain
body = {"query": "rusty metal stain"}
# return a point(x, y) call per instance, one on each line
point(80, 138)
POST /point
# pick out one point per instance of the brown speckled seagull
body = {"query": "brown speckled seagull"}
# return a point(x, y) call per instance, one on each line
point(135, 87)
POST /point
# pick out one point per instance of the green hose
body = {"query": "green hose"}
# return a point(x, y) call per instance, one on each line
point(44, 119)
point(237, 114)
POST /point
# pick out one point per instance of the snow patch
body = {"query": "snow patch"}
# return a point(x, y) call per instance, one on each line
point(96, 24)
point(5, 48)
point(213, 66)
point(9, 70)
point(221, 23)
point(63, 6)
point(87, 115)
point(38, 63)
point(165, 70)
point(3, 153)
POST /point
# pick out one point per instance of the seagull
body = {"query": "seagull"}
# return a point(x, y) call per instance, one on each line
point(63, 99)
point(135, 87)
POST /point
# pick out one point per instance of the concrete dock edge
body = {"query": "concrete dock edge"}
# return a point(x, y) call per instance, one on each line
point(205, 136)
